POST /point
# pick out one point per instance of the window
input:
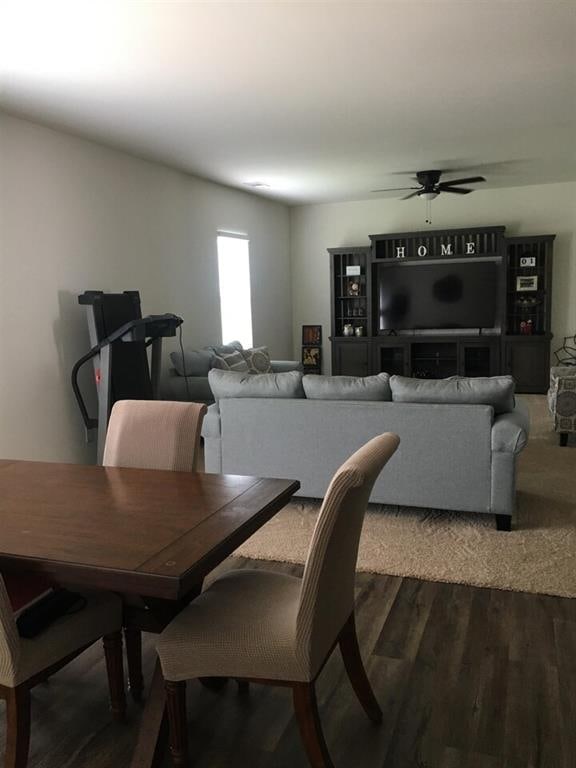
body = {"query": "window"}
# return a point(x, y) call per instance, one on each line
point(235, 298)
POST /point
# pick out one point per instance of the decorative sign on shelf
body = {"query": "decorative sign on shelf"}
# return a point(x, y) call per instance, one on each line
point(446, 249)
point(440, 244)
point(527, 283)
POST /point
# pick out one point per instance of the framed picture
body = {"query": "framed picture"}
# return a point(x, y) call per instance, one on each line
point(528, 283)
point(311, 357)
point(311, 335)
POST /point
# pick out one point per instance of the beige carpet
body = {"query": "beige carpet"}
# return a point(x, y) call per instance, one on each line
point(539, 555)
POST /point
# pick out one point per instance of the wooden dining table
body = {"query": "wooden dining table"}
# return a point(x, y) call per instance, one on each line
point(149, 533)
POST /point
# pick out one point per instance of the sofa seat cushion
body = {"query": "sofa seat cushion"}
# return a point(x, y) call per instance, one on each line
point(347, 387)
point(497, 391)
point(227, 384)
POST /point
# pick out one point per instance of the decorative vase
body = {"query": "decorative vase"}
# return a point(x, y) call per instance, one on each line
point(359, 331)
point(347, 330)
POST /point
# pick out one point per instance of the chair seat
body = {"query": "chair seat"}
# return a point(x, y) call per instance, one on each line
point(102, 615)
point(243, 625)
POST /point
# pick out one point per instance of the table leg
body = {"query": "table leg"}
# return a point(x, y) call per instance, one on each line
point(153, 734)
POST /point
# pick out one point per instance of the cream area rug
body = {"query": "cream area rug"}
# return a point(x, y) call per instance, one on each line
point(539, 555)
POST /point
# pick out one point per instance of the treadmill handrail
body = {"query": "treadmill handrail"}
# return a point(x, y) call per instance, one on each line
point(89, 422)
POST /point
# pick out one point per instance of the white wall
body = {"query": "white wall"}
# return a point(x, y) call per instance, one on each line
point(533, 210)
point(74, 216)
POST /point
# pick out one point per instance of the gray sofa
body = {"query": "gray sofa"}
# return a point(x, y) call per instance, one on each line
point(187, 380)
point(454, 456)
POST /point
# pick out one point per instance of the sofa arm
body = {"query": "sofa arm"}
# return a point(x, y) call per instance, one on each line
point(510, 430)
point(284, 366)
point(211, 423)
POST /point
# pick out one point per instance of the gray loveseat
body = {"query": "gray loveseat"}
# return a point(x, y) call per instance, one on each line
point(188, 378)
point(453, 455)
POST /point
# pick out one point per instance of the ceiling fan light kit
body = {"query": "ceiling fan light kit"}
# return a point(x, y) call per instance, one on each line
point(430, 186)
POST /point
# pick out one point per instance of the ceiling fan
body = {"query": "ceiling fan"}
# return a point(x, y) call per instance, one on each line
point(430, 186)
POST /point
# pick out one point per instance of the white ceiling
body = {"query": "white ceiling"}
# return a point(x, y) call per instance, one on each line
point(320, 100)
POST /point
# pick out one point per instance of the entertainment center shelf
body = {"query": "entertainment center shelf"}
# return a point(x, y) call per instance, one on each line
point(385, 306)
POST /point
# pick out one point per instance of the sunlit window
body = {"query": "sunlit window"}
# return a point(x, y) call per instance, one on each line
point(235, 298)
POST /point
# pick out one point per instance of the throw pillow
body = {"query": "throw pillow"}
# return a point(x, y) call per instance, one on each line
point(230, 361)
point(226, 384)
point(347, 387)
point(497, 391)
point(258, 359)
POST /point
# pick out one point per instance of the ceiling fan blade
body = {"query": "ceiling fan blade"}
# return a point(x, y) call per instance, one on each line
point(456, 190)
point(395, 189)
point(471, 180)
point(412, 194)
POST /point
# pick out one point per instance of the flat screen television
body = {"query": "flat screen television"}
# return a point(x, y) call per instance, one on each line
point(416, 295)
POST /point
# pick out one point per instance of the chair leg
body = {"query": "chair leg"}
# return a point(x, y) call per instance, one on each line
point(350, 651)
point(306, 708)
point(177, 723)
point(133, 640)
point(17, 727)
point(115, 669)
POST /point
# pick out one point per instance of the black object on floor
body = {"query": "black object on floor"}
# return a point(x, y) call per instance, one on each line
point(39, 616)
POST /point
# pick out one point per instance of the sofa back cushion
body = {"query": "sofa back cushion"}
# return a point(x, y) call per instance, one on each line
point(497, 391)
point(197, 362)
point(194, 362)
point(347, 387)
point(222, 349)
point(226, 384)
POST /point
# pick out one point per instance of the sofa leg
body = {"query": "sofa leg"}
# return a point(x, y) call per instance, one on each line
point(503, 522)
point(563, 439)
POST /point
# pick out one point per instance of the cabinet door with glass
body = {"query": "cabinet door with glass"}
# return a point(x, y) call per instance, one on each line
point(350, 287)
point(480, 358)
point(393, 358)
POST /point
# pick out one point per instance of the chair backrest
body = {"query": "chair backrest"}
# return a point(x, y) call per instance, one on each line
point(9, 639)
point(327, 596)
point(154, 434)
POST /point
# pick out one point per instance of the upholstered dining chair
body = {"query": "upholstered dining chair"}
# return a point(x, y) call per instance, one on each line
point(26, 662)
point(150, 434)
point(268, 627)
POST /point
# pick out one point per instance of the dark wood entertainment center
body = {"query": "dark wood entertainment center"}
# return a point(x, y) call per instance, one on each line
point(518, 344)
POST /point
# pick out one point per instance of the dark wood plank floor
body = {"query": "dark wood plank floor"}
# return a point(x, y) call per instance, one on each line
point(467, 678)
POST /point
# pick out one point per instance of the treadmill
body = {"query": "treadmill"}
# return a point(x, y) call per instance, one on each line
point(119, 339)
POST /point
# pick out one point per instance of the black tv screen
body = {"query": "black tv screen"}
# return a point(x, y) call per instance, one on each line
point(456, 295)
